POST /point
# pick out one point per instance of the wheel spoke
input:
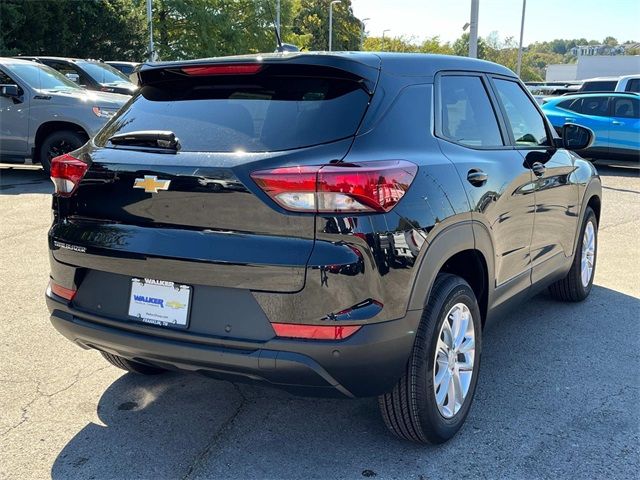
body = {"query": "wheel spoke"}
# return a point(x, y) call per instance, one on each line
point(460, 334)
point(447, 335)
point(467, 345)
point(442, 391)
point(458, 392)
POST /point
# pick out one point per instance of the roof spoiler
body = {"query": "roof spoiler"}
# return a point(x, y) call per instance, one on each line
point(154, 73)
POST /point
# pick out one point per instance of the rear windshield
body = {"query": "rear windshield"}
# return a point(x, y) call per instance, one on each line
point(252, 113)
point(599, 86)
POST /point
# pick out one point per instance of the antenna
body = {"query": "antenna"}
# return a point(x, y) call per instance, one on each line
point(275, 29)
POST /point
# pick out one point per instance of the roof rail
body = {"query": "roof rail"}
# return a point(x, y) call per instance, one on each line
point(598, 92)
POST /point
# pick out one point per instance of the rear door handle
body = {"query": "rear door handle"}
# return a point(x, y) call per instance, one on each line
point(538, 169)
point(615, 122)
point(569, 119)
point(477, 177)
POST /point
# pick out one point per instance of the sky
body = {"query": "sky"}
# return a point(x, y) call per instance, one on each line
point(544, 20)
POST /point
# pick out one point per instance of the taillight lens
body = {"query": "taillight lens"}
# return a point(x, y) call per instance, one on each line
point(340, 187)
point(66, 173)
point(314, 332)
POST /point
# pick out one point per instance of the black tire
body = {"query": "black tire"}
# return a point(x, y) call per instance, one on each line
point(58, 143)
point(131, 366)
point(410, 410)
point(570, 288)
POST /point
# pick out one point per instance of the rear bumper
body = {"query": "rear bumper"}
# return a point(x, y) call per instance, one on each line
point(368, 363)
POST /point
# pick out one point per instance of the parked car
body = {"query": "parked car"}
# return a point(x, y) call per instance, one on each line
point(44, 114)
point(628, 83)
point(90, 74)
point(613, 117)
point(128, 68)
point(392, 206)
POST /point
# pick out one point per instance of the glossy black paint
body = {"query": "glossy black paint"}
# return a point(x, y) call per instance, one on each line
point(509, 233)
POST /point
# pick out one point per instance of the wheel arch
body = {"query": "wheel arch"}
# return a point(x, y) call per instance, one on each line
point(47, 128)
point(461, 251)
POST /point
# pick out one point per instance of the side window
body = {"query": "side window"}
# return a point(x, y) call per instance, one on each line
point(69, 71)
point(526, 123)
point(467, 115)
point(573, 105)
point(626, 108)
point(633, 85)
point(595, 106)
point(5, 79)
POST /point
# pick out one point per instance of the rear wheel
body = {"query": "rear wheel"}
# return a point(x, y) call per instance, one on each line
point(59, 143)
point(432, 399)
point(576, 286)
point(131, 366)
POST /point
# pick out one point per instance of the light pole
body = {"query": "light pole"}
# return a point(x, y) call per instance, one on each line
point(383, 32)
point(331, 22)
point(151, 53)
point(362, 32)
point(278, 18)
point(524, 7)
point(473, 29)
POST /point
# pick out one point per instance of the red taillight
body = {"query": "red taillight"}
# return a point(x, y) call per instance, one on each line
point(315, 332)
point(66, 173)
point(61, 291)
point(233, 69)
point(335, 188)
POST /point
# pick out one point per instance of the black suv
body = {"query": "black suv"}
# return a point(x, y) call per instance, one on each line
point(332, 224)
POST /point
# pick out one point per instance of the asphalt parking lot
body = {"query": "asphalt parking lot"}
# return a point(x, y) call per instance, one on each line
point(558, 396)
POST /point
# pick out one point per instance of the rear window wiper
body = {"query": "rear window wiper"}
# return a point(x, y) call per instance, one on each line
point(156, 139)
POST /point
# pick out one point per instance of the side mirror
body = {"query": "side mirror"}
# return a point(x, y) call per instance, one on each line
point(575, 137)
point(74, 77)
point(11, 91)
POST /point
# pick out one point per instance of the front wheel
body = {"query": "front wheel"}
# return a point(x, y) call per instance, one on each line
point(432, 399)
point(576, 286)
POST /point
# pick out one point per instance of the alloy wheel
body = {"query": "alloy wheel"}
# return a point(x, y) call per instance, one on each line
point(588, 254)
point(454, 360)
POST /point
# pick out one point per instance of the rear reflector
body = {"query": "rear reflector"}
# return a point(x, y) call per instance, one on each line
point(66, 173)
point(234, 69)
point(315, 332)
point(61, 291)
point(340, 187)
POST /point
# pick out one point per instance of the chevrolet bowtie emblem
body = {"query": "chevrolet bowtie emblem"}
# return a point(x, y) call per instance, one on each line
point(151, 184)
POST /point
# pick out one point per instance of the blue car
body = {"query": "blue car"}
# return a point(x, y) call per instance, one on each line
point(613, 117)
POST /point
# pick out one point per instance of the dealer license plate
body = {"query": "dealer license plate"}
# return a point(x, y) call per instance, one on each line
point(159, 302)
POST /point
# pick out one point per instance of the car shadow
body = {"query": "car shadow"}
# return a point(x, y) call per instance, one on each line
point(21, 179)
point(547, 405)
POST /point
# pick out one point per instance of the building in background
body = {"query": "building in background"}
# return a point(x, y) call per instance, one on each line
point(590, 66)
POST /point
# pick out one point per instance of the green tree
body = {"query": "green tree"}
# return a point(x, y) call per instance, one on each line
point(109, 29)
point(312, 19)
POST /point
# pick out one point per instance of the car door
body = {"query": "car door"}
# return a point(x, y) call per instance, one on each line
point(14, 121)
point(497, 182)
point(624, 133)
point(556, 195)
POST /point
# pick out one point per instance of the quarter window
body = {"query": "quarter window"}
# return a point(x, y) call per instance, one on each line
point(523, 117)
point(467, 115)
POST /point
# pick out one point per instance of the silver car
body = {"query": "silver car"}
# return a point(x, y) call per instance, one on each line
point(43, 114)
